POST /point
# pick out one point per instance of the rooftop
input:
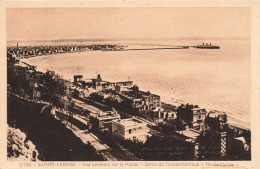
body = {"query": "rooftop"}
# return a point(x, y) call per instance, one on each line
point(215, 114)
point(129, 122)
point(242, 139)
point(189, 133)
point(138, 94)
point(105, 115)
point(198, 108)
point(78, 76)
point(148, 93)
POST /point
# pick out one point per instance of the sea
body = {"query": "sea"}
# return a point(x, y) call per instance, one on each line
point(215, 79)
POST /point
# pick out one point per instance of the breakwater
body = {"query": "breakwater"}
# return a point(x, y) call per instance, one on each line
point(179, 47)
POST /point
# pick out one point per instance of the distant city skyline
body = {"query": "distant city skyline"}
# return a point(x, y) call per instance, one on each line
point(27, 24)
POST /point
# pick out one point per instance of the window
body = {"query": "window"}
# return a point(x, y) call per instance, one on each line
point(130, 131)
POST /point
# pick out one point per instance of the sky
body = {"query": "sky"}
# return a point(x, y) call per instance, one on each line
point(126, 23)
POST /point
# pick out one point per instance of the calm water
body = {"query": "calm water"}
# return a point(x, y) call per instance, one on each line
point(214, 79)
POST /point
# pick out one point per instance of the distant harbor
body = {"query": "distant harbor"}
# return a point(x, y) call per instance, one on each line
point(32, 51)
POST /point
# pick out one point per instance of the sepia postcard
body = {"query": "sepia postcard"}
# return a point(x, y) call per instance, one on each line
point(124, 84)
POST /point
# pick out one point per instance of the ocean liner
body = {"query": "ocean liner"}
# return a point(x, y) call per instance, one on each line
point(207, 46)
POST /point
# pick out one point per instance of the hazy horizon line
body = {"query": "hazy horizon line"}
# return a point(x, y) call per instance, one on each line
point(125, 39)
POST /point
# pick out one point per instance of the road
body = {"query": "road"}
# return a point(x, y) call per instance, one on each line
point(87, 137)
point(100, 147)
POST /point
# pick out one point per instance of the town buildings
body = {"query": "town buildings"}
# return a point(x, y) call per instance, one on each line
point(191, 136)
point(210, 133)
point(131, 128)
point(100, 85)
point(103, 120)
point(31, 51)
point(77, 78)
point(192, 115)
point(216, 120)
point(162, 116)
point(205, 130)
point(145, 101)
point(141, 101)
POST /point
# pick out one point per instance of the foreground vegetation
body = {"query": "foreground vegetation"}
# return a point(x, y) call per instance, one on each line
point(28, 92)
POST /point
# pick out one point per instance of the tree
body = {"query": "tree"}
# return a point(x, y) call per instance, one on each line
point(55, 89)
point(135, 88)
